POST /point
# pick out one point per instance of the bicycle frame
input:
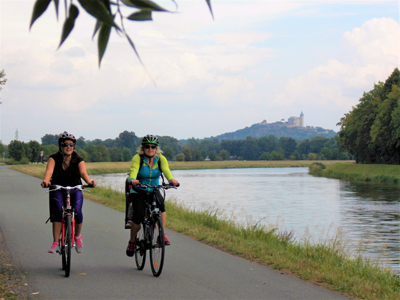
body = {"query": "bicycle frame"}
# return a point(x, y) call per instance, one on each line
point(67, 211)
point(67, 234)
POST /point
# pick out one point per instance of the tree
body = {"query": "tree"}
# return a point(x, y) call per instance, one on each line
point(277, 155)
point(188, 154)
point(129, 140)
point(50, 139)
point(126, 154)
point(288, 145)
point(168, 152)
point(312, 156)
point(180, 157)
point(223, 154)
point(81, 142)
point(265, 156)
point(196, 154)
point(115, 154)
point(33, 151)
point(108, 16)
point(16, 150)
point(212, 155)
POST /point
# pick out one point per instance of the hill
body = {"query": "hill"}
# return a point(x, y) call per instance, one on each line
point(278, 129)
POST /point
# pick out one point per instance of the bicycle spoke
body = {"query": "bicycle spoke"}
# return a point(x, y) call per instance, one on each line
point(157, 251)
point(140, 249)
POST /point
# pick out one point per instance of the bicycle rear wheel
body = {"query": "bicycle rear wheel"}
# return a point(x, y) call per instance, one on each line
point(68, 244)
point(157, 251)
point(140, 249)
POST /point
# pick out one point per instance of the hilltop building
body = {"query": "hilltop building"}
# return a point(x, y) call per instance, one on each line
point(292, 121)
point(296, 121)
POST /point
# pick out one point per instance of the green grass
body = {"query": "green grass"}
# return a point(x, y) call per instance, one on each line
point(359, 172)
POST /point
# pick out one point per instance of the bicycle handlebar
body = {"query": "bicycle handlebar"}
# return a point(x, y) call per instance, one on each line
point(164, 186)
point(80, 187)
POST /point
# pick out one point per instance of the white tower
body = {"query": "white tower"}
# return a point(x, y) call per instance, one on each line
point(301, 119)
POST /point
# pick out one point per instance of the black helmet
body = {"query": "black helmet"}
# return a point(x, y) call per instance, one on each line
point(66, 136)
point(150, 139)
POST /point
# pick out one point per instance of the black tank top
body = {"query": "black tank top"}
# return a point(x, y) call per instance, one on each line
point(68, 177)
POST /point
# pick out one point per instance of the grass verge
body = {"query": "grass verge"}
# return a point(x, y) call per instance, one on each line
point(358, 172)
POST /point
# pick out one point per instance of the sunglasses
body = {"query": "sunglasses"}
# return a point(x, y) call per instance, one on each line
point(150, 146)
point(68, 144)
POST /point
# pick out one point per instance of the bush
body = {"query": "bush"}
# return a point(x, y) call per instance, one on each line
point(316, 168)
point(24, 161)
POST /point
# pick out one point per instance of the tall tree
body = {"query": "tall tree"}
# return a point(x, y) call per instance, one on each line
point(129, 140)
point(50, 139)
point(16, 150)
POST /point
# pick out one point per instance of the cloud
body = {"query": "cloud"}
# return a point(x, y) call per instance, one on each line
point(75, 52)
point(372, 54)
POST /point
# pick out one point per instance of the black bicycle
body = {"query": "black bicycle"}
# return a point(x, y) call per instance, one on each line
point(151, 234)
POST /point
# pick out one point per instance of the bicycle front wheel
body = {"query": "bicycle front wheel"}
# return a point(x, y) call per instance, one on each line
point(157, 251)
point(68, 245)
point(140, 249)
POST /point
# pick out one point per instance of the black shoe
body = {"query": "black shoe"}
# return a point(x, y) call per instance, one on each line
point(130, 250)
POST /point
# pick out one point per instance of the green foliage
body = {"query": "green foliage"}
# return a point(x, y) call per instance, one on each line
point(16, 150)
point(212, 155)
point(371, 131)
point(223, 154)
point(187, 153)
point(50, 139)
point(2, 79)
point(168, 152)
point(316, 168)
point(106, 16)
point(180, 157)
point(312, 156)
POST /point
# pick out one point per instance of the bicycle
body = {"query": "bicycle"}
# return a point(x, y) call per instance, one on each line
point(67, 241)
point(151, 234)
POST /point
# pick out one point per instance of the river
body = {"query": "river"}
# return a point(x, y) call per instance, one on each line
point(365, 216)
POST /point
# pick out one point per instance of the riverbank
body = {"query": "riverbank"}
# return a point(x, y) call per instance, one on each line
point(38, 170)
point(328, 264)
point(358, 172)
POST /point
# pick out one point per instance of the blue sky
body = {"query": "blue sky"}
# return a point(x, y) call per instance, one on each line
point(258, 60)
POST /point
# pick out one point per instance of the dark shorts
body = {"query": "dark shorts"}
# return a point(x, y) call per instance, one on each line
point(57, 202)
point(138, 202)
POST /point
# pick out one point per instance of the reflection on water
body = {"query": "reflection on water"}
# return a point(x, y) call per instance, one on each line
point(293, 200)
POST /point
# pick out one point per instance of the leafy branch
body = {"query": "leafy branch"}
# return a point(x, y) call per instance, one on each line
point(3, 80)
point(105, 13)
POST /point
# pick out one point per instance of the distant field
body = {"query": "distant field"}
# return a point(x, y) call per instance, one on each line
point(38, 170)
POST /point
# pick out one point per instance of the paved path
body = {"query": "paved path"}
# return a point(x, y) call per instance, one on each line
point(192, 270)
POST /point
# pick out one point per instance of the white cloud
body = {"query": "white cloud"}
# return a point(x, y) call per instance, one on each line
point(374, 49)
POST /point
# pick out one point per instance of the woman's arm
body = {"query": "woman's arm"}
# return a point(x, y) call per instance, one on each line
point(135, 164)
point(167, 171)
point(49, 172)
point(84, 175)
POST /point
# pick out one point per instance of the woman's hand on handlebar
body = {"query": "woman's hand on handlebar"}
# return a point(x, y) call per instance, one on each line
point(174, 182)
point(134, 182)
point(93, 183)
point(45, 183)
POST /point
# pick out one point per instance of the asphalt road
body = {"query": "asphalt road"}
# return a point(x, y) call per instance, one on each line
point(192, 270)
